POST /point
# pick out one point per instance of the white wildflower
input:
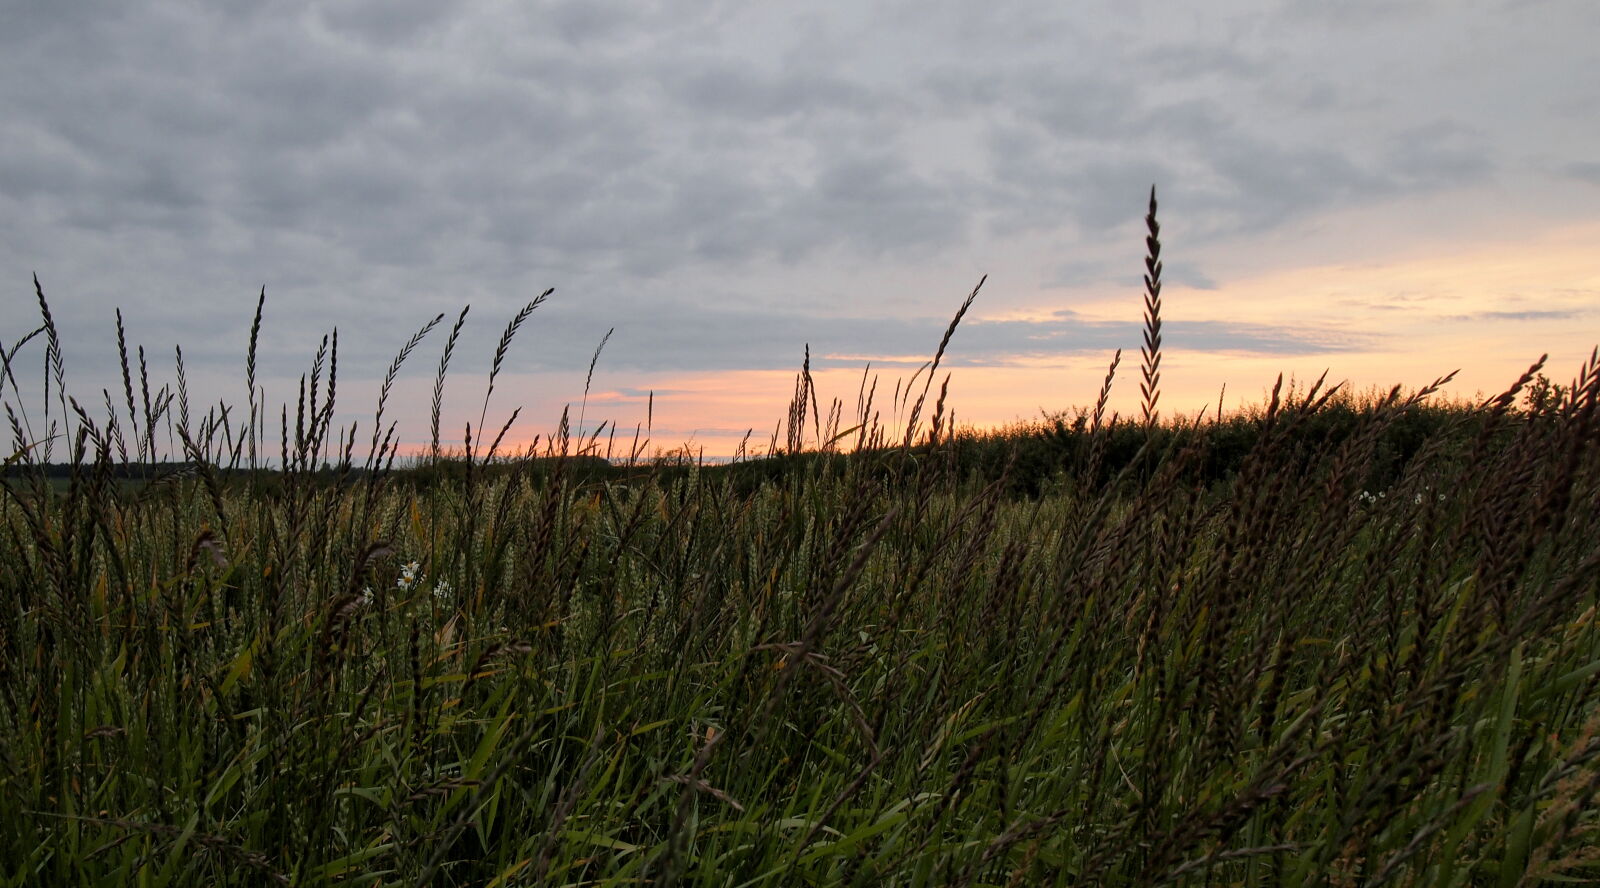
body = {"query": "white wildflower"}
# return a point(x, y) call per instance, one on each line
point(366, 596)
point(410, 575)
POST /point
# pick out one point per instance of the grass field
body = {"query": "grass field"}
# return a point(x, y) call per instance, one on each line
point(1333, 641)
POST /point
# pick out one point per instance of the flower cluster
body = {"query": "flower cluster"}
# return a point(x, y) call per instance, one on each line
point(411, 577)
point(1367, 497)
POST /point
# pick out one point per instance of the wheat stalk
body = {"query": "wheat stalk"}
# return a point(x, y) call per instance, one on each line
point(438, 380)
point(1150, 387)
point(504, 346)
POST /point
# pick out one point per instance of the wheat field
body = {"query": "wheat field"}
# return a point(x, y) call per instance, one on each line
point(1334, 640)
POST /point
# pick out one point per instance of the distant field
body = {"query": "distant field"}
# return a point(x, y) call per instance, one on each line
point(1329, 642)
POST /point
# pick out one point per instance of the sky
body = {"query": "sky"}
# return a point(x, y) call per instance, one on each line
point(1380, 189)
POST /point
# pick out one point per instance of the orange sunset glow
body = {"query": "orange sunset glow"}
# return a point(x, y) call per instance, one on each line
point(1486, 310)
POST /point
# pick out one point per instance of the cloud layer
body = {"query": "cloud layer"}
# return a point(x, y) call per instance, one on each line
point(725, 184)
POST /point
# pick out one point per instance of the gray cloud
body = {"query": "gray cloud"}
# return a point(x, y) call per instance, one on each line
point(387, 22)
point(1183, 272)
point(1584, 171)
point(676, 338)
point(689, 176)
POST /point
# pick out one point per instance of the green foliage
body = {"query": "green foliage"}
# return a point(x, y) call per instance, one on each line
point(1223, 657)
point(1332, 641)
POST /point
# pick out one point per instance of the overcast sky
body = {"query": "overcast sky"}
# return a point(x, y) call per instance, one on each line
point(1388, 190)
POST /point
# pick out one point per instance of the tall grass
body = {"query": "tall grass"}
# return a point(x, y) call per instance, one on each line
point(1339, 641)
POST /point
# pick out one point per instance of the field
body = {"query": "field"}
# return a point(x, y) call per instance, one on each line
point(1332, 641)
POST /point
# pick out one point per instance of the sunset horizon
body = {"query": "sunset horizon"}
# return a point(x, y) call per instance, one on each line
point(724, 187)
